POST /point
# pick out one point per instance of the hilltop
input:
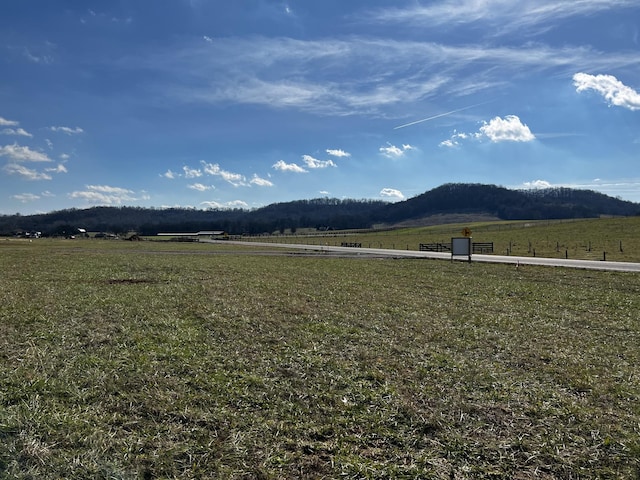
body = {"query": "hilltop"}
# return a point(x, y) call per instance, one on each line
point(505, 204)
point(449, 202)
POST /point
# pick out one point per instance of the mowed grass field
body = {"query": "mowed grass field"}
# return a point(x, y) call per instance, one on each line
point(124, 360)
point(613, 239)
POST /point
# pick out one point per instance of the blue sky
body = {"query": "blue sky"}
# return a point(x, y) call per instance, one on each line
point(243, 103)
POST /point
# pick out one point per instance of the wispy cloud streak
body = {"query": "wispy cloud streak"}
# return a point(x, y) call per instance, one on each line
point(527, 16)
point(281, 73)
point(438, 116)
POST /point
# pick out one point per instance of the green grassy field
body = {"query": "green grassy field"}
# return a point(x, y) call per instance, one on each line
point(149, 360)
point(613, 239)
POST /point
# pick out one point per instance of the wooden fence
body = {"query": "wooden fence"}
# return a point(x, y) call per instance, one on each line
point(476, 247)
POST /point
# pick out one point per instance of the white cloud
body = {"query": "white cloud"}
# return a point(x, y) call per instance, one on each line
point(237, 204)
point(338, 153)
point(235, 179)
point(26, 197)
point(7, 123)
point(391, 151)
point(315, 163)
point(505, 15)
point(214, 169)
point(260, 182)
point(282, 166)
point(40, 57)
point(537, 184)
point(27, 173)
point(67, 130)
point(454, 140)
point(286, 73)
point(101, 18)
point(223, 206)
point(104, 194)
point(191, 172)
point(19, 153)
point(612, 89)
point(59, 169)
point(207, 39)
point(32, 197)
point(20, 132)
point(64, 156)
point(509, 128)
point(200, 187)
point(213, 205)
point(109, 190)
point(392, 193)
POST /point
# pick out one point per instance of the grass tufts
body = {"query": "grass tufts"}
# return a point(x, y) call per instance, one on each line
point(128, 360)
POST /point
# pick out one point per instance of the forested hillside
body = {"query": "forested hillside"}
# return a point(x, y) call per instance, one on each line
point(552, 203)
point(329, 213)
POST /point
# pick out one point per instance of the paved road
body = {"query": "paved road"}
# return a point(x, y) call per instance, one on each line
point(550, 262)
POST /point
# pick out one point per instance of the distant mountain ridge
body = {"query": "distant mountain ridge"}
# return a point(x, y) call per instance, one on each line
point(446, 201)
point(505, 204)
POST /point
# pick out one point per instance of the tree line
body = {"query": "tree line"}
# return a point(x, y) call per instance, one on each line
point(328, 213)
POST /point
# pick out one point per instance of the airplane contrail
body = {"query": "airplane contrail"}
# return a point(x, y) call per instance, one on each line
point(438, 116)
